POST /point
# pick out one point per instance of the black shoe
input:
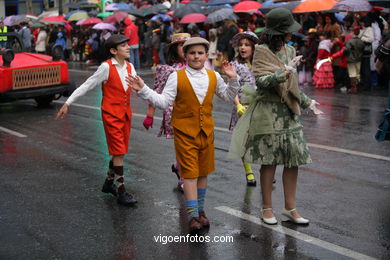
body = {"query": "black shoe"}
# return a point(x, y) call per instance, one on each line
point(109, 187)
point(250, 182)
point(126, 199)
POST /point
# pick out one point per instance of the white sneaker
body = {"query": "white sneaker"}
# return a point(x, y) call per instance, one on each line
point(269, 221)
point(286, 216)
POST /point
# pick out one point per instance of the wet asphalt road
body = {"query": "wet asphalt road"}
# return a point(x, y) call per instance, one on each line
point(51, 206)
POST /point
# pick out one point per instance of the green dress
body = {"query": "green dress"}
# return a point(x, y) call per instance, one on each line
point(269, 133)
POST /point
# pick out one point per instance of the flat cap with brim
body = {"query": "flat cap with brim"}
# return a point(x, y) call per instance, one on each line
point(114, 40)
point(280, 21)
point(195, 41)
point(244, 35)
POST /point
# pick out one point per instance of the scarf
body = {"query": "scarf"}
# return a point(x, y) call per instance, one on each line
point(265, 62)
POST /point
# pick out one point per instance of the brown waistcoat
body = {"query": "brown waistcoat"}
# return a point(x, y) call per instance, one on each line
point(189, 116)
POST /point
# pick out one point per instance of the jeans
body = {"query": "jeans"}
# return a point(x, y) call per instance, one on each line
point(134, 58)
point(161, 54)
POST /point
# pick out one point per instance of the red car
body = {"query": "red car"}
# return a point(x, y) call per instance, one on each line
point(25, 75)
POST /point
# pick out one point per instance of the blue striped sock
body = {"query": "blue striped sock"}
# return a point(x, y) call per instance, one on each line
point(201, 197)
point(192, 209)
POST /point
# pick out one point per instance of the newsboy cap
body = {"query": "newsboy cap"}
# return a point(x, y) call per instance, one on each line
point(195, 41)
point(280, 21)
point(115, 40)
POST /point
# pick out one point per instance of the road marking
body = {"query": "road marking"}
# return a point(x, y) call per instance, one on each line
point(319, 146)
point(12, 132)
point(296, 234)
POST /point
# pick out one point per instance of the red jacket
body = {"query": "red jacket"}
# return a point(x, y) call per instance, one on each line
point(131, 31)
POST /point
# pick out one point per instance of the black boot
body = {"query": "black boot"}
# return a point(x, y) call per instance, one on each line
point(126, 199)
point(109, 187)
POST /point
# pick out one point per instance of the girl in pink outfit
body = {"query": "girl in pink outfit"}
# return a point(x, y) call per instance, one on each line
point(323, 76)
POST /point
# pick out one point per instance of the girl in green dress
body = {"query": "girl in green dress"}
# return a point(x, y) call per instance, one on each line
point(269, 133)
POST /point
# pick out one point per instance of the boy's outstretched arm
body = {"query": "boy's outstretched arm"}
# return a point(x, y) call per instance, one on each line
point(63, 111)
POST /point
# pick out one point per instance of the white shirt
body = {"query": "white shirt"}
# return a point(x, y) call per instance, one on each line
point(199, 81)
point(100, 76)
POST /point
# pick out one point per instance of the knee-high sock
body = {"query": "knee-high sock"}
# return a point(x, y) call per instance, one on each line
point(192, 209)
point(248, 169)
point(119, 179)
point(201, 197)
point(110, 172)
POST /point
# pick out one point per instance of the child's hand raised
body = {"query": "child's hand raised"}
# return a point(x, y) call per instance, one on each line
point(135, 83)
point(228, 69)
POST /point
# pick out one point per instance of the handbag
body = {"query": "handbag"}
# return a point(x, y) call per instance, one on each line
point(383, 132)
point(367, 49)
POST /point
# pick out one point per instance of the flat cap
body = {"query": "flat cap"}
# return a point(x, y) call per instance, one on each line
point(114, 40)
point(195, 41)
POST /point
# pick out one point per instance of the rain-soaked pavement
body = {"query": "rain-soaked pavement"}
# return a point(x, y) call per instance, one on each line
point(51, 173)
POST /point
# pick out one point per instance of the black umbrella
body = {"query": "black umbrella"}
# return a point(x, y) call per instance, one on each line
point(220, 15)
point(188, 9)
point(383, 3)
point(155, 9)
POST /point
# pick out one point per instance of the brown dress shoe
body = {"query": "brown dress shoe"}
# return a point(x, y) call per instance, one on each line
point(203, 219)
point(194, 225)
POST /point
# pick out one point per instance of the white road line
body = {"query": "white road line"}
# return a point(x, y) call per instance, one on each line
point(12, 132)
point(298, 235)
point(319, 146)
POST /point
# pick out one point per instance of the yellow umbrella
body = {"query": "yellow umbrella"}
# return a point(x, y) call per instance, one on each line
point(78, 16)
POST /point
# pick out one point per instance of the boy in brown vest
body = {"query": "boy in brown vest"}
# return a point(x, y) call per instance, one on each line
point(116, 111)
point(192, 90)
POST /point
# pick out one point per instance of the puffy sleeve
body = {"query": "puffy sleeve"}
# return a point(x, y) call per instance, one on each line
point(162, 75)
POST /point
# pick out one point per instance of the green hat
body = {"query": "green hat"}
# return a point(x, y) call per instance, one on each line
point(280, 21)
point(115, 40)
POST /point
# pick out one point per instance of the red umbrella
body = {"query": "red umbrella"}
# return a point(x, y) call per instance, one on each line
point(145, 6)
point(116, 17)
point(309, 6)
point(246, 7)
point(54, 19)
point(193, 18)
point(91, 21)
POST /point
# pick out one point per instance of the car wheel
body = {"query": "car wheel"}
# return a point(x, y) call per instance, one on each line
point(44, 101)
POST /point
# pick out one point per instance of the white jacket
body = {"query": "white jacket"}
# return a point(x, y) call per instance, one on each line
point(40, 45)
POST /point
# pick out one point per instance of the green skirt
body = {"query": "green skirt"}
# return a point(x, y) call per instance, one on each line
point(288, 149)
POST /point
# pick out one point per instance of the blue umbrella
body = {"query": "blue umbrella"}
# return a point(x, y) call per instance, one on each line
point(123, 6)
point(222, 2)
point(164, 17)
point(73, 12)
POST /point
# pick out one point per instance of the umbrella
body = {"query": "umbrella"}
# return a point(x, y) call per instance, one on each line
point(136, 12)
point(269, 5)
point(246, 7)
point(48, 13)
point(73, 12)
point(116, 17)
point(145, 6)
point(54, 19)
point(187, 9)
point(220, 15)
point(155, 9)
point(8, 20)
point(164, 17)
point(78, 16)
point(222, 2)
point(80, 22)
point(353, 6)
point(104, 26)
point(384, 3)
point(38, 25)
point(91, 21)
point(104, 15)
point(193, 18)
point(114, 7)
point(314, 6)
